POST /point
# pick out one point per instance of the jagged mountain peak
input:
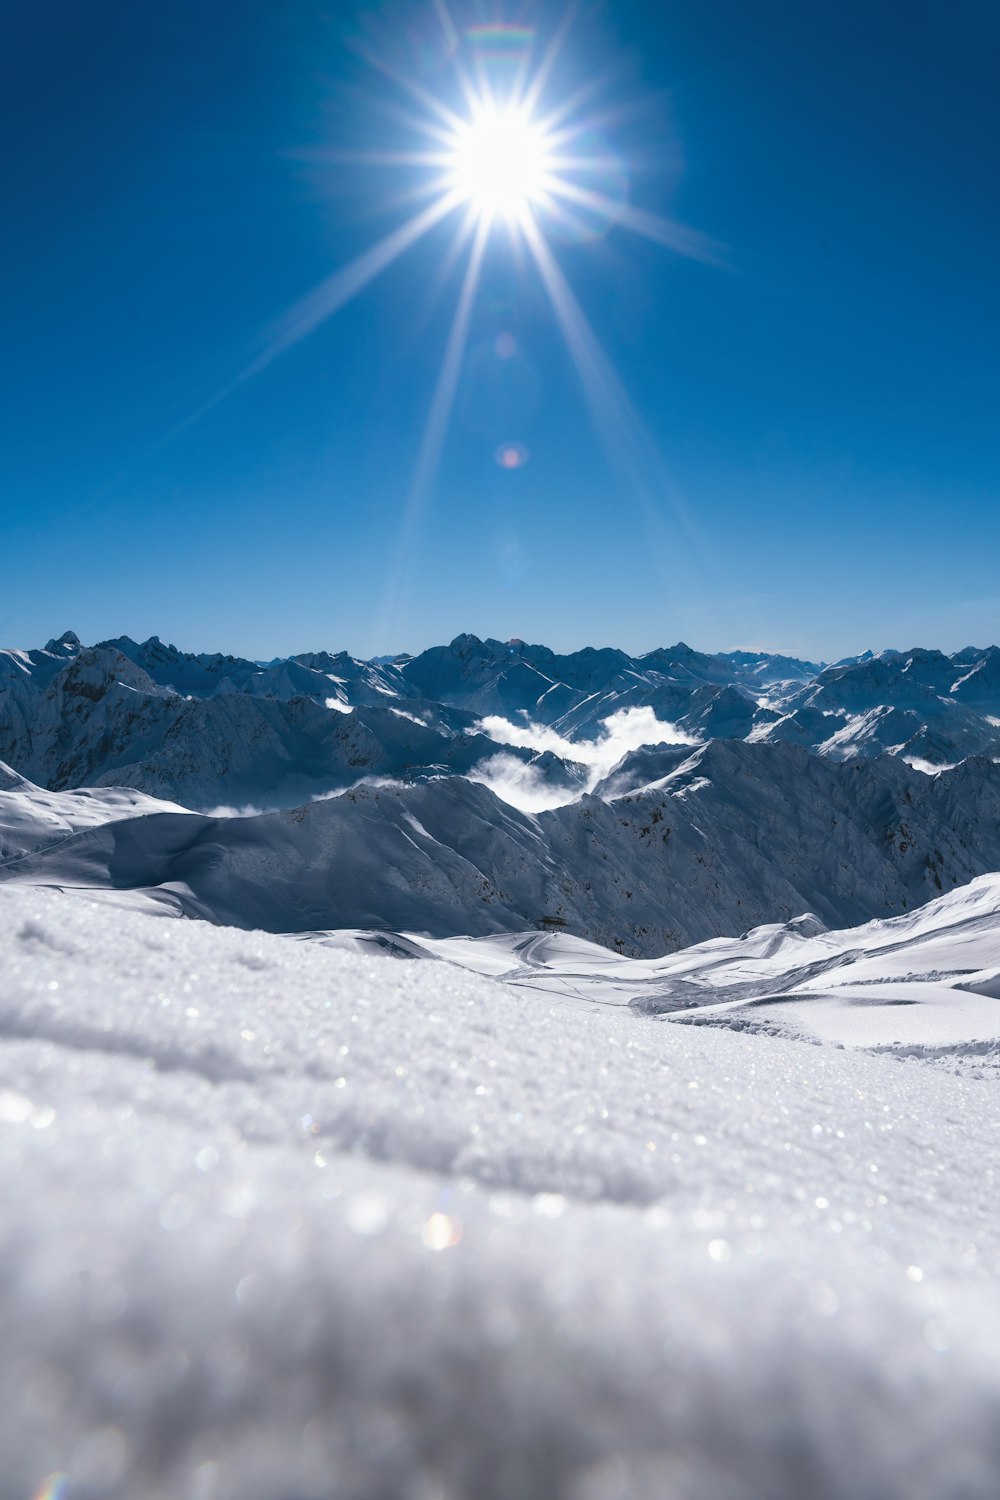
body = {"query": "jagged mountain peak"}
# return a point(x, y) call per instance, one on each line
point(68, 640)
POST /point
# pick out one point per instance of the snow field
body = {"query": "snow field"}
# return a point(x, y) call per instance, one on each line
point(284, 1222)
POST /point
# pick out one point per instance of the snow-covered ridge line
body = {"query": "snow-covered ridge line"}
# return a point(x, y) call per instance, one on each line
point(735, 835)
point(644, 803)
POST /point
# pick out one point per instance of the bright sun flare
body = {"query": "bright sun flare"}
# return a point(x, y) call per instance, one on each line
point(501, 162)
point(516, 171)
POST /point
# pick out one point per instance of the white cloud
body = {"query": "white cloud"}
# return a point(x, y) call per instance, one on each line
point(520, 784)
point(249, 810)
point(525, 787)
point(929, 767)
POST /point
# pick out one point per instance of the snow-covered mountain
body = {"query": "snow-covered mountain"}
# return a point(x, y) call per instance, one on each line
point(216, 729)
point(735, 835)
point(210, 730)
point(643, 803)
point(73, 716)
point(919, 704)
point(213, 729)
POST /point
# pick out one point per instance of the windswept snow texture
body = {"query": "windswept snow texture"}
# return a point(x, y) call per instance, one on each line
point(215, 731)
point(281, 1221)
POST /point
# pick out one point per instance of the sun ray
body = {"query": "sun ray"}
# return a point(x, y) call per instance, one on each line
point(587, 124)
point(667, 232)
point(571, 106)
point(532, 95)
point(448, 26)
point(601, 385)
point(409, 119)
point(626, 441)
point(324, 300)
point(375, 158)
point(453, 253)
point(321, 303)
point(423, 96)
point(438, 418)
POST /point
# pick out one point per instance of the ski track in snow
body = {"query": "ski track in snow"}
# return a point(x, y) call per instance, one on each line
point(282, 1222)
point(925, 984)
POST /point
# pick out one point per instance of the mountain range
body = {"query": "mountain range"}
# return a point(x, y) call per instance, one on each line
point(644, 803)
point(210, 730)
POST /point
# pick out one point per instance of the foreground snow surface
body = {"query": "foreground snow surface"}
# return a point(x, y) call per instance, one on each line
point(287, 1222)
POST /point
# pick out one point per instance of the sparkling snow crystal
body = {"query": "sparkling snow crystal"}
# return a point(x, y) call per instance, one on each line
point(281, 1221)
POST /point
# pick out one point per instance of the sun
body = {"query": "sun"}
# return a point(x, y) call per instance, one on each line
point(501, 162)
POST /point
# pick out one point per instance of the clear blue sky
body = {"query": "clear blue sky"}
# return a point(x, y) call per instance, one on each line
point(823, 401)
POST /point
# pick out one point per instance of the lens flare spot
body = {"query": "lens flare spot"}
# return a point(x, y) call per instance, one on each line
point(492, 43)
point(55, 1487)
point(368, 1213)
point(441, 1232)
point(511, 455)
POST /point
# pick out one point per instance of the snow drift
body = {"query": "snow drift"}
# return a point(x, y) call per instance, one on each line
point(280, 1220)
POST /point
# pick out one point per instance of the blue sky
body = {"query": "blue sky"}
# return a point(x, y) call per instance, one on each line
point(813, 455)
